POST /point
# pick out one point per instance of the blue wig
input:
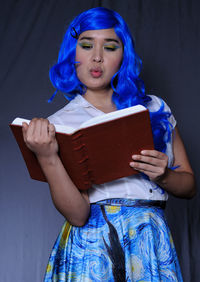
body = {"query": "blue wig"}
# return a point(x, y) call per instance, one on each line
point(128, 88)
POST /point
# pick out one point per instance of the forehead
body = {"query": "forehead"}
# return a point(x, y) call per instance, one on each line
point(103, 34)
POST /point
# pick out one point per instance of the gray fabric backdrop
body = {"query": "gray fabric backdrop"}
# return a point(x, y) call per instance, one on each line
point(167, 39)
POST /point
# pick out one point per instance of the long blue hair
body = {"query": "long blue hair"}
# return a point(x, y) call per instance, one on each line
point(128, 88)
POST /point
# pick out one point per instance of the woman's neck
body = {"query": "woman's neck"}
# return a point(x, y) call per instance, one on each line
point(101, 100)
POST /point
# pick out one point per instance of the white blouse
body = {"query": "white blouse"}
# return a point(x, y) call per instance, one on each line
point(80, 110)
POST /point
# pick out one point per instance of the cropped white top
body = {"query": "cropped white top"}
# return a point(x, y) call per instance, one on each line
point(80, 110)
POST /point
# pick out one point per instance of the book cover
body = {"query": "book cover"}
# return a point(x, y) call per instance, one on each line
point(96, 153)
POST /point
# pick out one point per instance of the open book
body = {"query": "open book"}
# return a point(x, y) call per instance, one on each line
point(100, 150)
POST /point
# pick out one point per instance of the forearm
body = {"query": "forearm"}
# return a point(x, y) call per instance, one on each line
point(178, 183)
point(39, 137)
point(65, 195)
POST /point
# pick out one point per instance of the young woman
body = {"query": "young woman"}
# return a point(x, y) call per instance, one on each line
point(115, 231)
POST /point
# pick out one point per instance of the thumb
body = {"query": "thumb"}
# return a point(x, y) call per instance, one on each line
point(52, 130)
point(24, 129)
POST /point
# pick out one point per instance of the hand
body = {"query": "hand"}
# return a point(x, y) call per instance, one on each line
point(39, 137)
point(151, 162)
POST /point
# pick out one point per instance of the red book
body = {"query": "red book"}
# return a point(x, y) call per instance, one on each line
point(100, 150)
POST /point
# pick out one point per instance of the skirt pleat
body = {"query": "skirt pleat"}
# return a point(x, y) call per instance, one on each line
point(123, 240)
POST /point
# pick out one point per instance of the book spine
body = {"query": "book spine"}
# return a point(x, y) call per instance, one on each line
point(80, 150)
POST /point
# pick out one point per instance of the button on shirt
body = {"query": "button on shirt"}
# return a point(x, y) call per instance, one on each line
point(137, 186)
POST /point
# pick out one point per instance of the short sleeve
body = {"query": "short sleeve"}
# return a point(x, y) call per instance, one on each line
point(155, 105)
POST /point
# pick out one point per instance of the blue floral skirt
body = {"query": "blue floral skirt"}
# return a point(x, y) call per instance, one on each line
point(123, 240)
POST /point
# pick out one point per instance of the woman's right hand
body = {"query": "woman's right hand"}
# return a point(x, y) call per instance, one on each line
point(39, 137)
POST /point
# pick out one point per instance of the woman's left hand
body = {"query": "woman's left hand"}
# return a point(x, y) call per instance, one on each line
point(151, 162)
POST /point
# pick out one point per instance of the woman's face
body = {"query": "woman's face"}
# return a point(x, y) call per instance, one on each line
point(99, 53)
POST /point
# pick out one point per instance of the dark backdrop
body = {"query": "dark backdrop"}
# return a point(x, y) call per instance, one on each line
point(167, 39)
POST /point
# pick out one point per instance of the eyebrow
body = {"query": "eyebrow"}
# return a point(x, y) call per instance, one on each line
point(105, 39)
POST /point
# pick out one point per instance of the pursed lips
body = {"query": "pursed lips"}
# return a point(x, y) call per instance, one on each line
point(96, 72)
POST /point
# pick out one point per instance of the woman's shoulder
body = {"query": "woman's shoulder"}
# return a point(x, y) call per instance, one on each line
point(156, 103)
point(69, 109)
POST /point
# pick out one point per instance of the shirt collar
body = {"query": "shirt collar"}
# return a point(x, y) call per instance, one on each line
point(85, 104)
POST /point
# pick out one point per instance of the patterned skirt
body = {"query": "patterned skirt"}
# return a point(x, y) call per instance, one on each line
point(123, 240)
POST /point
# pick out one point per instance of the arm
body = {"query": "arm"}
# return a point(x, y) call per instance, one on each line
point(179, 182)
point(39, 136)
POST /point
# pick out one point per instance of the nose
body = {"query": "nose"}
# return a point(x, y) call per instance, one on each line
point(97, 55)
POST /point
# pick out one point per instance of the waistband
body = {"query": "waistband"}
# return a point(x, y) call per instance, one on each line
point(132, 203)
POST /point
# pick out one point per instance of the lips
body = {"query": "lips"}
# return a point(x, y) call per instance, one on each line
point(96, 72)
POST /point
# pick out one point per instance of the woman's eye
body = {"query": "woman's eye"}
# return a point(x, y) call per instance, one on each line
point(111, 47)
point(86, 46)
